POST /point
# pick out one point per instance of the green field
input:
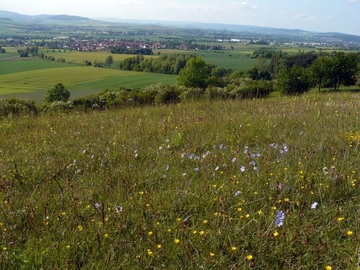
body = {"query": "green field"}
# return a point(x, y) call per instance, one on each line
point(30, 78)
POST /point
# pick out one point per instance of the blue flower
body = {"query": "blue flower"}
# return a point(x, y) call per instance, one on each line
point(279, 221)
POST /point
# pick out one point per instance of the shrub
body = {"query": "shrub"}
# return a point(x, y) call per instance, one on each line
point(16, 107)
point(57, 93)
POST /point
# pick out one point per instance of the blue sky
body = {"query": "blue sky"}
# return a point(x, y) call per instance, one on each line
point(314, 15)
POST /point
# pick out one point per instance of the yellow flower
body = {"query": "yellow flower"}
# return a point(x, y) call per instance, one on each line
point(158, 246)
point(340, 219)
point(4, 248)
point(168, 230)
point(212, 254)
point(106, 235)
point(176, 241)
point(80, 228)
point(233, 248)
point(249, 257)
point(194, 232)
point(205, 221)
point(141, 192)
point(328, 267)
point(149, 252)
point(247, 215)
point(275, 233)
point(68, 247)
point(201, 232)
point(239, 209)
point(349, 233)
point(150, 233)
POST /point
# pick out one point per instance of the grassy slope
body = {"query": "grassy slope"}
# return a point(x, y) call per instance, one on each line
point(163, 186)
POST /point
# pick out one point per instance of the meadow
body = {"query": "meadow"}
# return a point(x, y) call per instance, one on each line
point(252, 184)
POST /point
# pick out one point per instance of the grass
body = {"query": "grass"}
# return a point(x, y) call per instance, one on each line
point(188, 186)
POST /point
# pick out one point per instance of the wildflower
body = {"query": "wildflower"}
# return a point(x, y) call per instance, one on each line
point(339, 219)
point(328, 267)
point(68, 247)
point(106, 235)
point(233, 248)
point(234, 160)
point(176, 241)
point(314, 205)
point(349, 233)
point(118, 209)
point(275, 234)
point(196, 169)
point(149, 252)
point(201, 232)
point(205, 221)
point(194, 232)
point(158, 246)
point(80, 228)
point(237, 193)
point(279, 221)
point(150, 233)
point(4, 248)
point(249, 257)
point(242, 169)
point(211, 254)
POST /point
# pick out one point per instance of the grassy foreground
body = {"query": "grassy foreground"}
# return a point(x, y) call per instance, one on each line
point(262, 184)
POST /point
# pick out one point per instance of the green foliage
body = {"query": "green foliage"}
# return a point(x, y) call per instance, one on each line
point(17, 107)
point(57, 93)
point(167, 64)
point(109, 60)
point(294, 80)
point(195, 74)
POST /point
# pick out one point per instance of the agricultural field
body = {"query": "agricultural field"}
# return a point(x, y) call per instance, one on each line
point(30, 78)
point(253, 184)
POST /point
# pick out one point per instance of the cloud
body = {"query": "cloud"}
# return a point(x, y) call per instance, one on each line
point(353, 1)
point(299, 16)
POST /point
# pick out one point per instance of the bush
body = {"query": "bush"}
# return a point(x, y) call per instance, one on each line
point(57, 93)
point(190, 94)
point(17, 107)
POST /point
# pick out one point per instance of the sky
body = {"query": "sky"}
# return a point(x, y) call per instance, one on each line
point(312, 15)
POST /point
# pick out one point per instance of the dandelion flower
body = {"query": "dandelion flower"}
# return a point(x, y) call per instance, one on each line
point(249, 257)
point(279, 221)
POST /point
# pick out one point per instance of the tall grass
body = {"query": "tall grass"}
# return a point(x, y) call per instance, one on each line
point(189, 186)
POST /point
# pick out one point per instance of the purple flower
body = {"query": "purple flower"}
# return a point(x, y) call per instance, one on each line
point(279, 221)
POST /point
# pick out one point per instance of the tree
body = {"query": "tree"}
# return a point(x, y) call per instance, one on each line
point(57, 93)
point(109, 60)
point(195, 74)
point(294, 80)
point(343, 69)
point(319, 70)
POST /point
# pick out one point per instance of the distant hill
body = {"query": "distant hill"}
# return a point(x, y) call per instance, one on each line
point(67, 18)
point(292, 34)
point(39, 18)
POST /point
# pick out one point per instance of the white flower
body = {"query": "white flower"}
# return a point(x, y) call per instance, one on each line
point(314, 205)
